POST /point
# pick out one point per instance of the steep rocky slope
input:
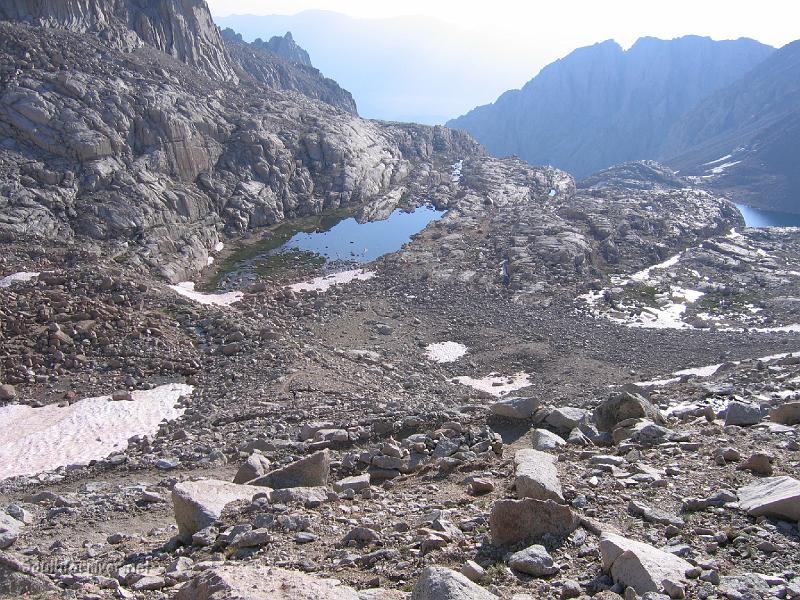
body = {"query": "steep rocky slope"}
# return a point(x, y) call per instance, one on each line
point(162, 154)
point(181, 29)
point(263, 61)
point(743, 140)
point(602, 105)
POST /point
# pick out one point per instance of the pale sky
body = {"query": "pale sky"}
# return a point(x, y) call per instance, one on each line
point(774, 22)
point(464, 53)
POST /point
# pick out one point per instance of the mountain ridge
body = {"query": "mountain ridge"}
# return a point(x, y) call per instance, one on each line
point(602, 105)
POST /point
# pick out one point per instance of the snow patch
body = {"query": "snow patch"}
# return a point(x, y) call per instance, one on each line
point(445, 352)
point(324, 283)
point(497, 385)
point(186, 289)
point(644, 274)
point(719, 160)
point(37, 440)
point(455, 173)
point(721, 168)
point(20, 277)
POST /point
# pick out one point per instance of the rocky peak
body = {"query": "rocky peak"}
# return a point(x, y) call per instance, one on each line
point(183, 29)
point(287, 48)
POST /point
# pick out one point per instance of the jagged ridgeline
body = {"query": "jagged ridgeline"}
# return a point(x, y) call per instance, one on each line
point(137, 122)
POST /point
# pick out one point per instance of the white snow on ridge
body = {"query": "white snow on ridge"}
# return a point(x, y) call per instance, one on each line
point(445, 352)
point(497, 385)
point(21, 277)
point(713, 162)
point(186, 289)
point(455, 174)
point(721, 168)
point(706, 371)
point(324, 283)
point(644, 274)
point(37, 440)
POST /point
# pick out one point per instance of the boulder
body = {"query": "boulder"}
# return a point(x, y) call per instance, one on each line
point(786, 414)
point(355, 483)
point(773, 497)
point(7, 392)
point(742, 414)
point(641, 566)
point(536, 476)
point(567, 418)
point(546, 441)
point(17, 580)
point(255, 466)
point(254, 581)
point(515, 408)
point(533, 560)
point(518, 521)
point(199, 504)
point(630, 403)
point(311, 471)
point(440, 583)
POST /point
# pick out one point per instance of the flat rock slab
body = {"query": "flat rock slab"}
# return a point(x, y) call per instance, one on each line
point(772, 497)
point(199, 504)
point(517, 521)
point(515, 408)
point(311, 471)
point(260, 582)
point(537, 476)
point(440, 583)
point(641, 566)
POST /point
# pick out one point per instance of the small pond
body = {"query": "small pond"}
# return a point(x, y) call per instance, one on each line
point(331, 240)
point(756, 217)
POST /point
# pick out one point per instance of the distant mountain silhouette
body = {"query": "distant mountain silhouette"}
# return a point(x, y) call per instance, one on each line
point(602, 105)
point(745, 138)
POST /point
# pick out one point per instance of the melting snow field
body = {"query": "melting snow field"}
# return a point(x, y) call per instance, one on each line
point(21, 277)
point(186, 289)
point(324, 283)
point(445, 352)
point(706, 371)
point(36, 440)
point(497, 385)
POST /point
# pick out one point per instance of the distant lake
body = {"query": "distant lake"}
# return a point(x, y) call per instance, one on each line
point(756, 217)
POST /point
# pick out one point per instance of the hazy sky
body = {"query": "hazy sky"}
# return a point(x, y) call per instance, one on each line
point(462, 54)
point(773, 22)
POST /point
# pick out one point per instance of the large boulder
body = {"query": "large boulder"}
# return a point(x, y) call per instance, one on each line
point(311, 471)
point(256, 465)
point(533, 560)
point(518, 521)
point(199, 504)
point(567, 418)
point(641, 566)
point(440, 583)
point(537, 475)
point(742, 414)
point(546, 441)
point(254, 581)
point(786, 414)
point(19, 581)
point(629, 403)
point(773, 497)
point(515, 408)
